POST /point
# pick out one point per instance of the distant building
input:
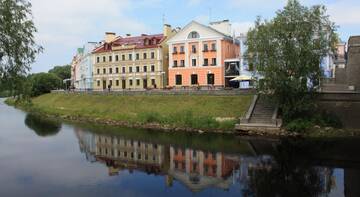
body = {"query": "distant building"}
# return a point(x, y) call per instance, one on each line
point(198, 53)
point(83, 70)
point(132, 62)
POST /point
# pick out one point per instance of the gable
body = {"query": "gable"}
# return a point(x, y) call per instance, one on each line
point(202, 30)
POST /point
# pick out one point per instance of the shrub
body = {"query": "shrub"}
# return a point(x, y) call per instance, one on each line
point(299, 125)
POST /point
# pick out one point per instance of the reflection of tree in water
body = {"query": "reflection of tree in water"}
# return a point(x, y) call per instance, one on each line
point(290, 174)
point(42, 127)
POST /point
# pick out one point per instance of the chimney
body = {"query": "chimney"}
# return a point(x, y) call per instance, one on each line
point(167, 30)
point(109, 37)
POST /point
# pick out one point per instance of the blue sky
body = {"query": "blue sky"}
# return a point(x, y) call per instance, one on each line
point(64, 25)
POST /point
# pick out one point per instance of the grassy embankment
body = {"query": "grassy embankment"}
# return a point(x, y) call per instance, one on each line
point(174, 111)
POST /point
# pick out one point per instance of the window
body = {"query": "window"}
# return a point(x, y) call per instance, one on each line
point(193, 62)
point(98, 83)
point(193, 49)
point(145, 68)
point(137, 56)
point(137, 69)
point(130, 56)
point(130, 82)
point(213, 62)
point(98, 59)
point(110, 70)
point(137, 82)
point(182, 49)
point(123, 57)
point(178, 79)
point(98, 71)
point(194, 167)
point(104, 70)
point(182, 63)
point(117, 82)
point(110, 58)
point(104, 59)
point(206, 49)
point(175, 63)
point(213, 47)
point(153, 82)
point(110, 82)
point(152, 55)
point(117, 70)
point(206, 62)
point(152, 68)
point(194, 34)
point(116, 58)
point(123, 69)
point(194, 79)
point(130, 70)
point(145, 56)
point(210, 79)
point(174, 50)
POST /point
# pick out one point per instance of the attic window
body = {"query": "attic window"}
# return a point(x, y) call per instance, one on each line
point(146, 42)
point(194, 34)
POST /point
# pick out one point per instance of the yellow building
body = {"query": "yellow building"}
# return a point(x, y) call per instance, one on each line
point(132, 62)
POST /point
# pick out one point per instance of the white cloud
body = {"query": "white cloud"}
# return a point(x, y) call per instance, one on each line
point(68, 22)
point(241, 27)
point(345, 12)
point(194, 2)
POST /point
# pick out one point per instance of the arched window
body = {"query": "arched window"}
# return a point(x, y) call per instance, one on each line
point(193, 34)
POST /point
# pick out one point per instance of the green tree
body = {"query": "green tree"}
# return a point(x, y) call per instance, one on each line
point(287, 52)
point(63, 72)
point(42, 83)
point(17, 45)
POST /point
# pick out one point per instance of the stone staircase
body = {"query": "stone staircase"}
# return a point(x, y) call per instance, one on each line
point(263, 112)
point(262, 115)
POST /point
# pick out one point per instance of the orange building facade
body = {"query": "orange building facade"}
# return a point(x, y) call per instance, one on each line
point(197, 54)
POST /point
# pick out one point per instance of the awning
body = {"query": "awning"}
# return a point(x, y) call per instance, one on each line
point(242, 78)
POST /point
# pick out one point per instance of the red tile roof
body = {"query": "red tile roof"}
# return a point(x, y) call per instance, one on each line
point(139, 42)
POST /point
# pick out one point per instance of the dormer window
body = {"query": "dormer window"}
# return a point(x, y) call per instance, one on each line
point(146, 42)
point(193, 35)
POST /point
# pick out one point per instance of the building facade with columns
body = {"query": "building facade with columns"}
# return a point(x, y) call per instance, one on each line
point(197, 54)
point(132, 62)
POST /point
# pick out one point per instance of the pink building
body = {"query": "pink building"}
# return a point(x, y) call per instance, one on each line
point(198, 53)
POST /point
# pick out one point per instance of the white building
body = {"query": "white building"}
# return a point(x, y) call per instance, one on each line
point(83, 71)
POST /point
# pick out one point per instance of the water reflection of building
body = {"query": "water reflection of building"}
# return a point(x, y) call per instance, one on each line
point(199, 170)
point(87, 144)
point(195, 169)
point(119, 153)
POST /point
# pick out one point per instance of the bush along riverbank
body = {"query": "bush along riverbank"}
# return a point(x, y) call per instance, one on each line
point(201, 113)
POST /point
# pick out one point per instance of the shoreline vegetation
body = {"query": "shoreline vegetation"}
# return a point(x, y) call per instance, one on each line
point(197, 113)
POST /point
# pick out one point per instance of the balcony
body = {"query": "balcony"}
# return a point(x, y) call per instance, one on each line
point(205, 50)
point(182, 52)
point(175, 52)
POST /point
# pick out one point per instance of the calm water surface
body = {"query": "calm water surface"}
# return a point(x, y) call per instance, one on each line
point(47, 158)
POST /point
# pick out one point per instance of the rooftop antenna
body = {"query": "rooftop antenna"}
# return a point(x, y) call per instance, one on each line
point(163, 19)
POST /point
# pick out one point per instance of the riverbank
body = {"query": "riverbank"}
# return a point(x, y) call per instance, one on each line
point(167, 112)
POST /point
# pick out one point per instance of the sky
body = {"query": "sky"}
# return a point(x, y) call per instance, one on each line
point(65, 25)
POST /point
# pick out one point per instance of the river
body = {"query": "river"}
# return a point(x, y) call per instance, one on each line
point(40, 157)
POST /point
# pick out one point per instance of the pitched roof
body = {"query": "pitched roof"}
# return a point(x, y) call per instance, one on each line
point(139, 42)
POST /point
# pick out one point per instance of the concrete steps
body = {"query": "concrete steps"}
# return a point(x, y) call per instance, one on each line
point(262, 115)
